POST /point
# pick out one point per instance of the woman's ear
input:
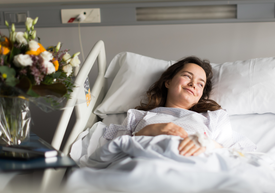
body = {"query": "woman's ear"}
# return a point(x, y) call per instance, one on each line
point(167, 83)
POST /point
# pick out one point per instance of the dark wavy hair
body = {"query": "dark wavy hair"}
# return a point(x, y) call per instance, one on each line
point(157, 93)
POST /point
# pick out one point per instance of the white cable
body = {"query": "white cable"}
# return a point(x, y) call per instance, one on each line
point(80, 42)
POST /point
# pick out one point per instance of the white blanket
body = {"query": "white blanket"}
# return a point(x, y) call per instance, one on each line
point(153, 164)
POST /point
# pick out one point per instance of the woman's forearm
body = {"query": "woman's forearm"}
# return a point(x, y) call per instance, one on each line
point(163, 129)
point(167, 129)
point(217, 145)
point(145, 131)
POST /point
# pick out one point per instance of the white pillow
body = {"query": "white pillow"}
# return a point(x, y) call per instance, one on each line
point(134, 74)
point(245, 87)
point(241, 87)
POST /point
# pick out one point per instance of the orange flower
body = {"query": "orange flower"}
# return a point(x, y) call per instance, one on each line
point(5, 46)
point(6, 43)
point(55, 63)
point(4, 50)
point(42, 49)
point(31, 52)
point(37, 52)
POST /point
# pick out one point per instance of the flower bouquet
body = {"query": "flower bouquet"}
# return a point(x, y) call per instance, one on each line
point(29, 72)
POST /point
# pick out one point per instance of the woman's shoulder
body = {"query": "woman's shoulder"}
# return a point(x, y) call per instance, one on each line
point(135, 111)
point(219, 111)
point(176, 112)
point(218, 114)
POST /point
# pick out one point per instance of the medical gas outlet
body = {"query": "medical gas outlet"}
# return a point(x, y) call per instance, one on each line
point(80, 15)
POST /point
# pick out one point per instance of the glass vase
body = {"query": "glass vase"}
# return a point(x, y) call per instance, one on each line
point(15, 119)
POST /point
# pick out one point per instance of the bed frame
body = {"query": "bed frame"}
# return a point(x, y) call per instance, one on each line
point(85, 117)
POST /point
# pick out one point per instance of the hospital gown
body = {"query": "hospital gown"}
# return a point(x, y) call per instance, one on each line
point(213, 124)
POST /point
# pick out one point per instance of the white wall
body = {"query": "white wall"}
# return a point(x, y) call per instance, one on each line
point(216, 42)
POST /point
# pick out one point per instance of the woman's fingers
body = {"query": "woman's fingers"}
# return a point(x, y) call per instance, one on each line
point(173, 129)
point(183, 143)
point(188, 148)
point(163, 129)
point(199, 151)
point(186, 145)
point(192, 150)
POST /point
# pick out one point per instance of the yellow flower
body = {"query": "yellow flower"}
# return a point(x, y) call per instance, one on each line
point(36, 52)
point(55, 63)
point(4, 76)
point(5, 46)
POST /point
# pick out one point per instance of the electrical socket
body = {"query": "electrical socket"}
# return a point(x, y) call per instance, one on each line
point(92, 15)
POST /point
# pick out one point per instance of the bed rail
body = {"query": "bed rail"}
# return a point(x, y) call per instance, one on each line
point(82, 111)
point(52, 178)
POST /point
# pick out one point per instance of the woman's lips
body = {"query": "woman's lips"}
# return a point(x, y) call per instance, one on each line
point(189, 90)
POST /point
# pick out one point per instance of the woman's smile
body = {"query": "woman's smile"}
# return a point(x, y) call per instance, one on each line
point(189, 91)
point(186, 87)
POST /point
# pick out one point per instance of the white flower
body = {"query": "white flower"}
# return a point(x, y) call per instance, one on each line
point(57, 48)
point(33, 34)
point(47, 56)
point(68, 69)
point(75, 61)
point(22, 60)
point(66, 57)
point(19, 37)
point(49, 66)
point(33, 45)
point(35, 20)
point(29, 22)
point(76, 54)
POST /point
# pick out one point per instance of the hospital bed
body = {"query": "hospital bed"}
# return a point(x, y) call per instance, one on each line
point(244, 88)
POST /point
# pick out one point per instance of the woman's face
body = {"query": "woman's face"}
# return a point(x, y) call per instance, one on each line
point(186, 87)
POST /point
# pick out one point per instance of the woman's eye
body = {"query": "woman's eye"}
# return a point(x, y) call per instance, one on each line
point(186, 75)
point(201, 85)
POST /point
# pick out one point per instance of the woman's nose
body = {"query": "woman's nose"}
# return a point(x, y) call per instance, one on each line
point(191, 83)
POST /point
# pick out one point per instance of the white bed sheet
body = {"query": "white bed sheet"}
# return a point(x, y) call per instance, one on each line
point(152, 164)
point(259, 128)
point(157, 167)
point(114, 119)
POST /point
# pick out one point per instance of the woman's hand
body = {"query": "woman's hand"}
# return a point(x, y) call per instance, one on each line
point(163, 129)
point(188, 147)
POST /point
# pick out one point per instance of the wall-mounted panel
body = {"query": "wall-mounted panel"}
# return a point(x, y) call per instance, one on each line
point(126, 13)
point(256, 11)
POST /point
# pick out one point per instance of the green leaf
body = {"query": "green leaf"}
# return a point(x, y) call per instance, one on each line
point(32, 93)
point(57, 89)
point(5, 59)
point(11, 81)
point(7, 70)
point(57, 74)
point(9, 75)
point(14, 51)
point(48, 80)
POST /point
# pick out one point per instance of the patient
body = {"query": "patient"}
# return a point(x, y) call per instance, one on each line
point(186, 85)
point(178, 104)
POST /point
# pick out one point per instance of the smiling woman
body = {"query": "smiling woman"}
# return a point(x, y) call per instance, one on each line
point(186, 87)
point(178, 104)
point(196, 78)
